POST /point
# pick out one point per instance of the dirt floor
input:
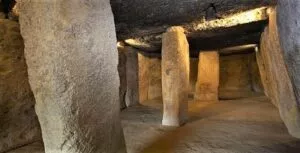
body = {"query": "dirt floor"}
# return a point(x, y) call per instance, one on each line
point(250, 125)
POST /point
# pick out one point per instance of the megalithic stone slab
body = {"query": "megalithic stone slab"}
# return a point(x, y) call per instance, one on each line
point(72, 58)
point(207, 86)
point(175, 76)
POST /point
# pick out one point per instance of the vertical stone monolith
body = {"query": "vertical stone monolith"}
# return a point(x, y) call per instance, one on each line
point(132, 76)
point(288, 13)
point(175, 76)
point(72, 58)
point(144, 73)
point(208, 76)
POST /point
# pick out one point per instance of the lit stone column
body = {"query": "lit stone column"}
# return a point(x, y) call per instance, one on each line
point(144, 72)
point(71, 53)
point(208, 76)
point(132, 76)
point(175, 76)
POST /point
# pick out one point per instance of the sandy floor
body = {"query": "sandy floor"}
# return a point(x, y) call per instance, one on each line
point(249, 125)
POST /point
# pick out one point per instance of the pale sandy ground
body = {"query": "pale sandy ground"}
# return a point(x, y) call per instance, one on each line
point(250, 125)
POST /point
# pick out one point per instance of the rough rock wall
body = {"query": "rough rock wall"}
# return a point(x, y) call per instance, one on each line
point(132, 77)
point(150, 85)
point(275, 76)
point(155, 84)
point(256, 82)
point(18, 122)
point(235, 73)
point(207, 86)
point(239, 76)
point(70, 49)
point(143, 77)
point(122, 76)
point(289, 30)
point(193, 74)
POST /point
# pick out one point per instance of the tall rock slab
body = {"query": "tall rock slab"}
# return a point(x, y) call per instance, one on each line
point(18, 121)
point(207, 86)
point(144, 73)
point(132, 76)
point(273, 68)
point(122, 75)
point(72, 58)
point(289, 34)
point(175, 76)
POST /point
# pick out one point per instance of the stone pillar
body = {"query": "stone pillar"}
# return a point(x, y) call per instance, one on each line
point(72, 58)
point(143, 77)
point(208, 76)
point(175, 76)
point(132, 76)
point(289, 34)
point(122, 74)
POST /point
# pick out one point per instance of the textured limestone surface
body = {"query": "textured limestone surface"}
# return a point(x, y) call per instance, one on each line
point(71, 53)
point(150, 77)
point(207, 86)
point(18, 122)
point(273, 67)
point(175, 76)
point(239, 76)
point(194, 62)
point(143, 77)
point(289, 28)
point(155, 84)
point(256, 82)
point(122, 76)
point(132, 76)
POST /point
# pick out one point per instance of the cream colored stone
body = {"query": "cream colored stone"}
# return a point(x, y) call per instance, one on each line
point(208, 76)
point(273, 67)
point(72, 58)
point(175, 77)
point(144, 73)
point(132, 76)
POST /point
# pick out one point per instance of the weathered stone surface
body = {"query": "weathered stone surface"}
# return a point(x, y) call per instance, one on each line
point(18, 122)
point(132, 76)
point(289, 28)
point(122, 75)
point(136, 18)
point(272, 64)
point(207, 86)
point(144, 72)
point(155, 82)
point(239, 76)
point(194, 62)
point(150, 82)
point(71, 53)
point(175, 76)
point(235, 72)
point(256, 83)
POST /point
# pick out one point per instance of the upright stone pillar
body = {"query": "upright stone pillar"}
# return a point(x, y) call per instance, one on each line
point(122, 74)
point(175, 76)
point(132, 76)
point(71, 53)
point(288, 13)
point(144, 72)
point(207, 86)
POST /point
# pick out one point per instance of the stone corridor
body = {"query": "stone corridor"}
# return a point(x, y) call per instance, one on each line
point(149, 76)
